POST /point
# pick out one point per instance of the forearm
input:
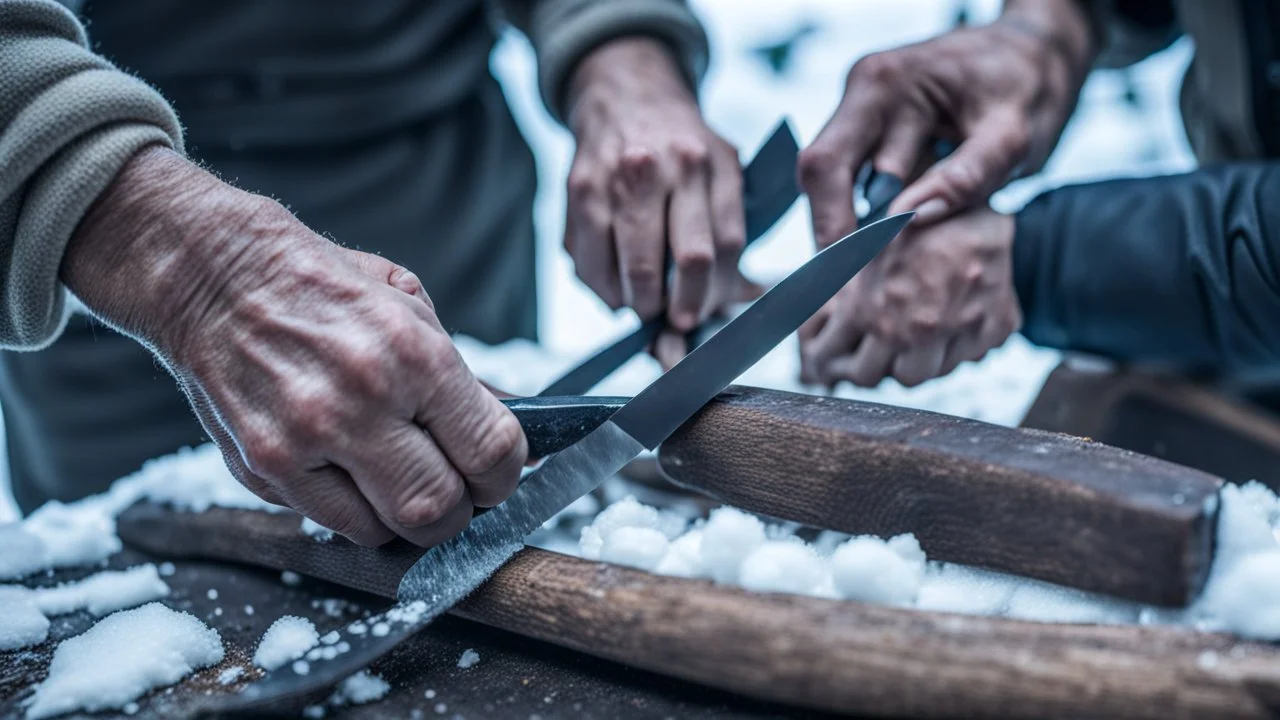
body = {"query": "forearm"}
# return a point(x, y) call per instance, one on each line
point(159, 244)
point(1064, 24)
point(1181, 270)
point(68, 122)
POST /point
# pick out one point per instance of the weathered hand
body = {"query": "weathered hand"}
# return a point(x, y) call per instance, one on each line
point(322, 373)
point(936, 297)
point(1002, 91)
point(650, 178)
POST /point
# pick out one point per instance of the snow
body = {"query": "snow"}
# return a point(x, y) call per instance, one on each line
point(105, 592)
point(783, 566)
point(638, 547)
point(468, 658)
point(1242, 595)
point(316, 530)
point(21, 622)
point(230, 675)
point(728, 537)
point(288, 639)
point(363, 687)
point(122, 657)
point(875, 571)
point(24, 612)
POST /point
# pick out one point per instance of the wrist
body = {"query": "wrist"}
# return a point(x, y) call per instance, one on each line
point(1062, 26)
point(626, 69)
point(160, 247)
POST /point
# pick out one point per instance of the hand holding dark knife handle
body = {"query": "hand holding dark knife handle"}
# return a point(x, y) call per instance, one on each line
point(769, 190)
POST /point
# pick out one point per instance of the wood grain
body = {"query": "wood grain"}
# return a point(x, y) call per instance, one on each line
point(1028, 502)
point(818, 654)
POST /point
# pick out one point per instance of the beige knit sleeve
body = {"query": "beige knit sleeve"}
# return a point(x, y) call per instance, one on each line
point(563, 31)
point(68, 122)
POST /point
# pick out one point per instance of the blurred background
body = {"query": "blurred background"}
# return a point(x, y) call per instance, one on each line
point(772, 59)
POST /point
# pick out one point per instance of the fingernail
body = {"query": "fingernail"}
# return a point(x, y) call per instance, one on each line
point(931, 210)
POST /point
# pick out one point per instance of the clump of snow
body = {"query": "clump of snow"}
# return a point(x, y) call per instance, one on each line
point(288, 639)
point(230, 675)
point(468, 658)
point(316, 530)
point(638, 547)
point(727, 538)
point(885, 573)
point(24, 612)
point(105, 592)
point(684, 556)
point(21, 622)
point(122, 657)
point(783, 566)
point(1245, 597)
point(290, 578)
point(363, 687)
point(24, 552)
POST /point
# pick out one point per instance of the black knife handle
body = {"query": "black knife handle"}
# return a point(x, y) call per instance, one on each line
point(552, 424)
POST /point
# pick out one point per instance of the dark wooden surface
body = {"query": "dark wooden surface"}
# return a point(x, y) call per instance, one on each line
point(1163, 416)
point(809, 653)
point(1033, 503)
point(517, 677)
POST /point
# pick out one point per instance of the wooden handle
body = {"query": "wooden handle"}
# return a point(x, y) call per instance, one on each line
point(820, 654)
point(1032, 503)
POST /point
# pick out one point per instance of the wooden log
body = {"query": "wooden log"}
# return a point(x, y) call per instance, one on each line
point(1032, 503)
point(818, 654)
point(1163, 416)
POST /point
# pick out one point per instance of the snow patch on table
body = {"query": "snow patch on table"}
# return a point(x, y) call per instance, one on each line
point(468, 658)
point(363, 687)
point(105, 592)
point(25, 613)
point(122, 657)
point(21, 622)
point(288, 639)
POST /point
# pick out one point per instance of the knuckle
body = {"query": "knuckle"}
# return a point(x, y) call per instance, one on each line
point(423, 508)
point(731, 242)
point(691, 154)
point(439, 357)
point(266, 454)
point(500, 440)
point(581, 185)
point(694, 260)
point(882, 68)
point(815, 163)
point(642, 275)
point(1017, 139)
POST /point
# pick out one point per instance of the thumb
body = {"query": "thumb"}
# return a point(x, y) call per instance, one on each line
point(982, 164)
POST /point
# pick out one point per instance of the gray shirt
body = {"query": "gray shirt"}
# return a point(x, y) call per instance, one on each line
point(245, 74)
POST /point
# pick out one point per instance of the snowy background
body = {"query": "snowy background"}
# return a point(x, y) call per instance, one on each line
point(1127, 124)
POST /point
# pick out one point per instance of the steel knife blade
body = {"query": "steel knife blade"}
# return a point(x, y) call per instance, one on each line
point(769, 189)
point(449, 572)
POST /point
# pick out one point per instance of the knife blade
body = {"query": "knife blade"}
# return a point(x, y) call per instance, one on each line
point(769, 189)
point(447, 573)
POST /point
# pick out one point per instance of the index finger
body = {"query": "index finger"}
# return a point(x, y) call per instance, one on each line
point(829, 166)
point(474, 430)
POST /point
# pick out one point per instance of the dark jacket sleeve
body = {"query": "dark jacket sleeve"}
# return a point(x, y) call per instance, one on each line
point(1181, 270)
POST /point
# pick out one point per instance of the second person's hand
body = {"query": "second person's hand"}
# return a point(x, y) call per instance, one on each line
point(650, 180)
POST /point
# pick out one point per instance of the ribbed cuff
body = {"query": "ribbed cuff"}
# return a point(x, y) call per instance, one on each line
point(564, 38)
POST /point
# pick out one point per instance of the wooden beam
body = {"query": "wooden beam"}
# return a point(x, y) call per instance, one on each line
point(1027, 502)
point(1164, 416)
point(818, 654)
